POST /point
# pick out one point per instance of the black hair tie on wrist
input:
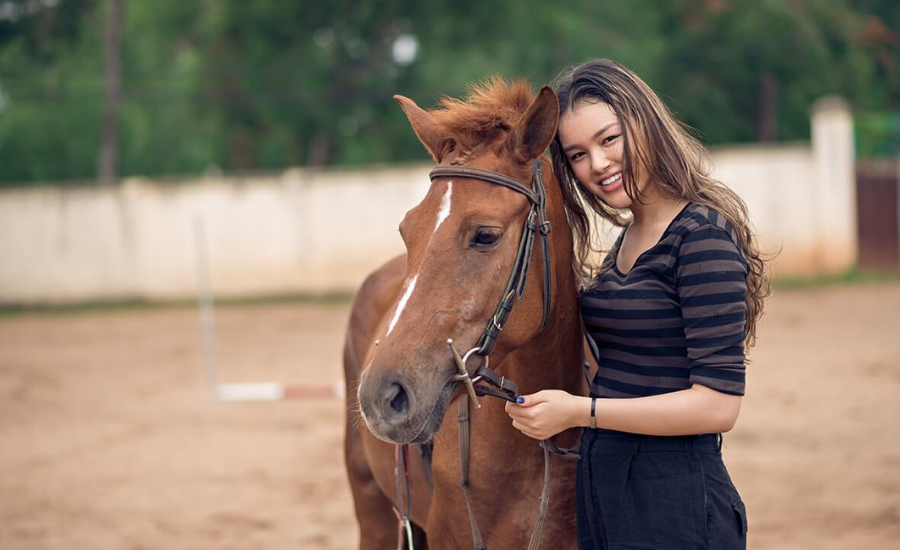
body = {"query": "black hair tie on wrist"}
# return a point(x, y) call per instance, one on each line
point(593, 413)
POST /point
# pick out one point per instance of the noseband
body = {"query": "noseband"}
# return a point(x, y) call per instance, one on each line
point(535, 222)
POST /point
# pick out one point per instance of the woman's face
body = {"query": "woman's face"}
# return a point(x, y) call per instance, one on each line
point(592, 141)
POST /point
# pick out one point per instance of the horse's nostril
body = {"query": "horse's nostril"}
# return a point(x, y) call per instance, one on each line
point(399, 401)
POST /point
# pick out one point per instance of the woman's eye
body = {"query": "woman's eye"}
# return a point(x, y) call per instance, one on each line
point(576, 156)
point(610, 139)
point(486, 237)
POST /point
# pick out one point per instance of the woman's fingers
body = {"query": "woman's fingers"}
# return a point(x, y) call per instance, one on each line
point(531, 400)
point(529, 425)
point(520, 413)
point(531, 417)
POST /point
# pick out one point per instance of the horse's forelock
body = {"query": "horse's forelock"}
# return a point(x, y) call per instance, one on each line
point(490, 108)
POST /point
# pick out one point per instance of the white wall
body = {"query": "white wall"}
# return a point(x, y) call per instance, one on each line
point(301, 231)
point(777, 183)
point(316, 231)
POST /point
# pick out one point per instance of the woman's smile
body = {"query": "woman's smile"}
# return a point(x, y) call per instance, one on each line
point(611, 183)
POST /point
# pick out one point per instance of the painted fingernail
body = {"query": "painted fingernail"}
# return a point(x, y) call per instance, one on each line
point(520, 400)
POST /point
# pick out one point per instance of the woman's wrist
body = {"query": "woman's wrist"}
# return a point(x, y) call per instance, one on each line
point(581, 412)
point(593, 418)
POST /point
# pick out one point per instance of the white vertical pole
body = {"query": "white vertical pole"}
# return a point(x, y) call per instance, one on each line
point(834, 201)
point(206, 307)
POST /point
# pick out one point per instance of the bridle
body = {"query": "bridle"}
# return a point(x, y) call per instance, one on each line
point(535, 222)
point(496, 385)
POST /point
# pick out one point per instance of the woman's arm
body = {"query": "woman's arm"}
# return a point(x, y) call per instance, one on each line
point(696, 410)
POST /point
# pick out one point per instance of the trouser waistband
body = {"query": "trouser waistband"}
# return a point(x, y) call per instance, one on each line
point(615, 442)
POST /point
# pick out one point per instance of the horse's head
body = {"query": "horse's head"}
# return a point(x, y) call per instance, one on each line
point(462, 241)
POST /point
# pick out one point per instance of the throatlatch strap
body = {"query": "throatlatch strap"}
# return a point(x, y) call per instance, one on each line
point(544, 228)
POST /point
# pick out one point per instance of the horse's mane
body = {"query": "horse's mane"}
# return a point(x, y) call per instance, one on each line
point(491, 107)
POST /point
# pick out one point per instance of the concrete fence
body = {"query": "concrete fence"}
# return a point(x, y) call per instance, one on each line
point(321, 231)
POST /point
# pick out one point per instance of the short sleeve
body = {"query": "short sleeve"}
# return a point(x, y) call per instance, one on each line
point(711, 281)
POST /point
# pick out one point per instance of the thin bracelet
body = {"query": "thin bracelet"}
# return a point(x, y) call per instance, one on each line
point(593, 413)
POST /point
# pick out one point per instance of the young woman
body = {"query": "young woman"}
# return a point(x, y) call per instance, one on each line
point(671, 308)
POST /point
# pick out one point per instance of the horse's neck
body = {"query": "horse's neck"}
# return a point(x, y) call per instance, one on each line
point(553, 358)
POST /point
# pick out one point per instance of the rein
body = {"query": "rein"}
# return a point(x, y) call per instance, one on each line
point(536, 222)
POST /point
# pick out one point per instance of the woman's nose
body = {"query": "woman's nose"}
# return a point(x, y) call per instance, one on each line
point(599, 162)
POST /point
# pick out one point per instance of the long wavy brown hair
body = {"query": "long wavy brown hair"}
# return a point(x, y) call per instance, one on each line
point(675, 161)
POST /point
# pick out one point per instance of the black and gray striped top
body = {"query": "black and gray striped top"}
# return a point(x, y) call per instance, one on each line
point(677, 318)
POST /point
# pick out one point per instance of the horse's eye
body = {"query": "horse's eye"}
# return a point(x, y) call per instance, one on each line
point(486, 237)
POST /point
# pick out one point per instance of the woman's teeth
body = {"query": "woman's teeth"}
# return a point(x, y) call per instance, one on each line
point(610, 181)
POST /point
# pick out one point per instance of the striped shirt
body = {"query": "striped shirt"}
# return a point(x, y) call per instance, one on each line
point(677, 318)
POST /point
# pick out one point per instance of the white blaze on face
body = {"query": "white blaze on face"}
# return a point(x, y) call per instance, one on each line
point(445, 207)
point(443, 214)
point(410, 286)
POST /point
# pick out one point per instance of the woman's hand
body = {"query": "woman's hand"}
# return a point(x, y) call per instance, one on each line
point(544, 414)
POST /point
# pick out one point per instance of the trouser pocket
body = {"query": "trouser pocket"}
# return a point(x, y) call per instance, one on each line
point(741, 512)
point(726, 513)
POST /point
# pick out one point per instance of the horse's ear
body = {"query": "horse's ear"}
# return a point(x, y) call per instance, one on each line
point(423, 125)
point(533, 134)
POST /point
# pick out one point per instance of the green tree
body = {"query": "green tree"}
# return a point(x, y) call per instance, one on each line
point(238, 86)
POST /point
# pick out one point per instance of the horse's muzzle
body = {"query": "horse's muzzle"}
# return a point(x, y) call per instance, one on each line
point(387, 406)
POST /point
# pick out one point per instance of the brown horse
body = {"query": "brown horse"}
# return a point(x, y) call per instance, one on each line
point(462, 242)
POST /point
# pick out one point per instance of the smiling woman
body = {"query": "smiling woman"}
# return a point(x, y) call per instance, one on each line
point(670, 309)
point(596, 156)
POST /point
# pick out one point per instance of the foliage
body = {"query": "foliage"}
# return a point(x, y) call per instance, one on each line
point(236, 86)
point(878, 135)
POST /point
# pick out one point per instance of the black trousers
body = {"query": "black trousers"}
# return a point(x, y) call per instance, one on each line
point(639, 492)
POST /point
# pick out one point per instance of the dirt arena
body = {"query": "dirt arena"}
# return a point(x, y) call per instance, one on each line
point(109, 438)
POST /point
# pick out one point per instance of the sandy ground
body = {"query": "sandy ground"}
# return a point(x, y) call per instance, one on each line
point(109, 438)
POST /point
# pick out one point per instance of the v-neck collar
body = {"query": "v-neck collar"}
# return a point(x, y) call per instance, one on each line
point(618, 245)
